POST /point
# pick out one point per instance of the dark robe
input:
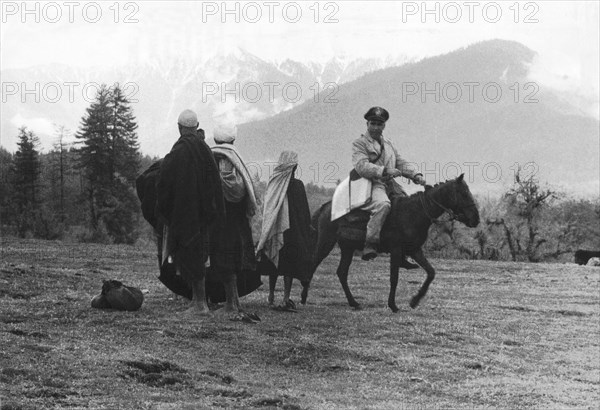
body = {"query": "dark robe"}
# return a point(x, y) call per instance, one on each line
point(189, 202)
point(231, 246)
point(146, 187)
point(296, 255)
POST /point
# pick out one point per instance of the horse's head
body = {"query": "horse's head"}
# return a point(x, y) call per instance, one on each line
point(462, 202)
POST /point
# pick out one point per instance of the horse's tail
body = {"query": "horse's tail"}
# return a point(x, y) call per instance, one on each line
point(326, 232)
point(314, 220)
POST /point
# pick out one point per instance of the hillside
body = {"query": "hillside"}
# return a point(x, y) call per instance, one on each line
point(481, 134)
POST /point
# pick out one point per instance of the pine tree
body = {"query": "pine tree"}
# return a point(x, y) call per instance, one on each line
point(125, 148)
point(109, 158)
point(58, 168)
point(26, 173)
point(6, 188)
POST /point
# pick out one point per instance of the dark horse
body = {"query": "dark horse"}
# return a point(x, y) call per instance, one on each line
point(404, 233)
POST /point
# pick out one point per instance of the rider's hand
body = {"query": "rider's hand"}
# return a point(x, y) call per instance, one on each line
point(391, 173)
point(418, 179)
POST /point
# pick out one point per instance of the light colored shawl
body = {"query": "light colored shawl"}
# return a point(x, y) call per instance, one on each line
point(276, 216)
point(231, 153)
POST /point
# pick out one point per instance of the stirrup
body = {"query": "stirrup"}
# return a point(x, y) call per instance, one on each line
point(369, 252)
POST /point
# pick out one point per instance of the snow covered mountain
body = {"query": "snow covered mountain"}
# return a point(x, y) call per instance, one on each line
point(230, 87)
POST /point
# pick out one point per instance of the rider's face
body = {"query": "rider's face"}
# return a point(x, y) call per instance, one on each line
point(375, 128)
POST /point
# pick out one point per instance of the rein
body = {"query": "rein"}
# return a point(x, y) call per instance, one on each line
point(435, 220)
point(453, 216)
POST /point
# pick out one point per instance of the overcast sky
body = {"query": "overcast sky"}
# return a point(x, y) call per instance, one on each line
point(82, 33)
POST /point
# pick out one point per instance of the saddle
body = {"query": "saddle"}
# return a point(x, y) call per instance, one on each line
point(353, 226)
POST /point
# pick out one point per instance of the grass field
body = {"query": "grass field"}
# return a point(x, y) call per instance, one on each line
point(487, 335)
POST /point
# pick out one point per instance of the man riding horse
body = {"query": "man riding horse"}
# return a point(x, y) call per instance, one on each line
point(376, 159)
point(401, 233)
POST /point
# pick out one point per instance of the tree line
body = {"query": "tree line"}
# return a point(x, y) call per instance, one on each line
point(85, 191)
point(86, 188)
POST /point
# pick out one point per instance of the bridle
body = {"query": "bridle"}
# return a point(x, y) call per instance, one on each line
point(453, 216)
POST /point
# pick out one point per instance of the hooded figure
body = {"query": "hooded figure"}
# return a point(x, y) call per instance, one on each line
point(232, 247)
point(286, 242)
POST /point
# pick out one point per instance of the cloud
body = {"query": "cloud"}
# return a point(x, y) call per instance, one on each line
point(42, 127)
point(568, 76)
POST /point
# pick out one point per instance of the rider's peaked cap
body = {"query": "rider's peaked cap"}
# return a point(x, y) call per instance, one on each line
point(377, 114)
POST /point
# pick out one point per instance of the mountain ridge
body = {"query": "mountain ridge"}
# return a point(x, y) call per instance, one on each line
point(159, 90)
point(528, 126)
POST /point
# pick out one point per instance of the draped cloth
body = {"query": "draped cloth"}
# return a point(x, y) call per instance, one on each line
point(296, 255)
point(232, 245)
point(248, 280)
point(276, 218)
point(229, 181)
point(189, 201)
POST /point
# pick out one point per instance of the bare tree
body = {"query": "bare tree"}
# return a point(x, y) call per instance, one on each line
point(525, 201)
point(60, 147)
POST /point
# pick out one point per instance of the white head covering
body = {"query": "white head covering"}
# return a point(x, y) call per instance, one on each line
point(225, 134)
point(287, 160)
point(276, 208)
point(188, 118)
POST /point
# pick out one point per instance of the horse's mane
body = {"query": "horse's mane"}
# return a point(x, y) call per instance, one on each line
point(430, 187)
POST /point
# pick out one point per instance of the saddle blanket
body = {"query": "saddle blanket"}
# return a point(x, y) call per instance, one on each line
point(353, 226)
point(350, 195)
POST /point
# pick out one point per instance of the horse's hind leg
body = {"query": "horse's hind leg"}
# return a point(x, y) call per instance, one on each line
point(304, 294)
point(421, 260)
point(272, 284)
point(287, 289)
point(395, 260)
point(342, 272)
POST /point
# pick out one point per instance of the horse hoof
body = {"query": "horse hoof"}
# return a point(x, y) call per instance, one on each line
point(394, 308)
point(414, 303)
point(357, 306)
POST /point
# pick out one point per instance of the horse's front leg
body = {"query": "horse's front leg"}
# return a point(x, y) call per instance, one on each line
point(304, 294)
point(342, 273)
point(395, 259)
point(421, 260)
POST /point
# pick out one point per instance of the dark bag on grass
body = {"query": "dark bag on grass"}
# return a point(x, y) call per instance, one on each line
point(115, 295)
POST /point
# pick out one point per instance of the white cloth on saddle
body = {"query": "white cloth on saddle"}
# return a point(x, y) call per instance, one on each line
point(350, 195)
point(231, 153)
point(276, 216)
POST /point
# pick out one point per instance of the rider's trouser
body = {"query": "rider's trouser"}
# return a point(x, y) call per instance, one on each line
point(379, 207)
